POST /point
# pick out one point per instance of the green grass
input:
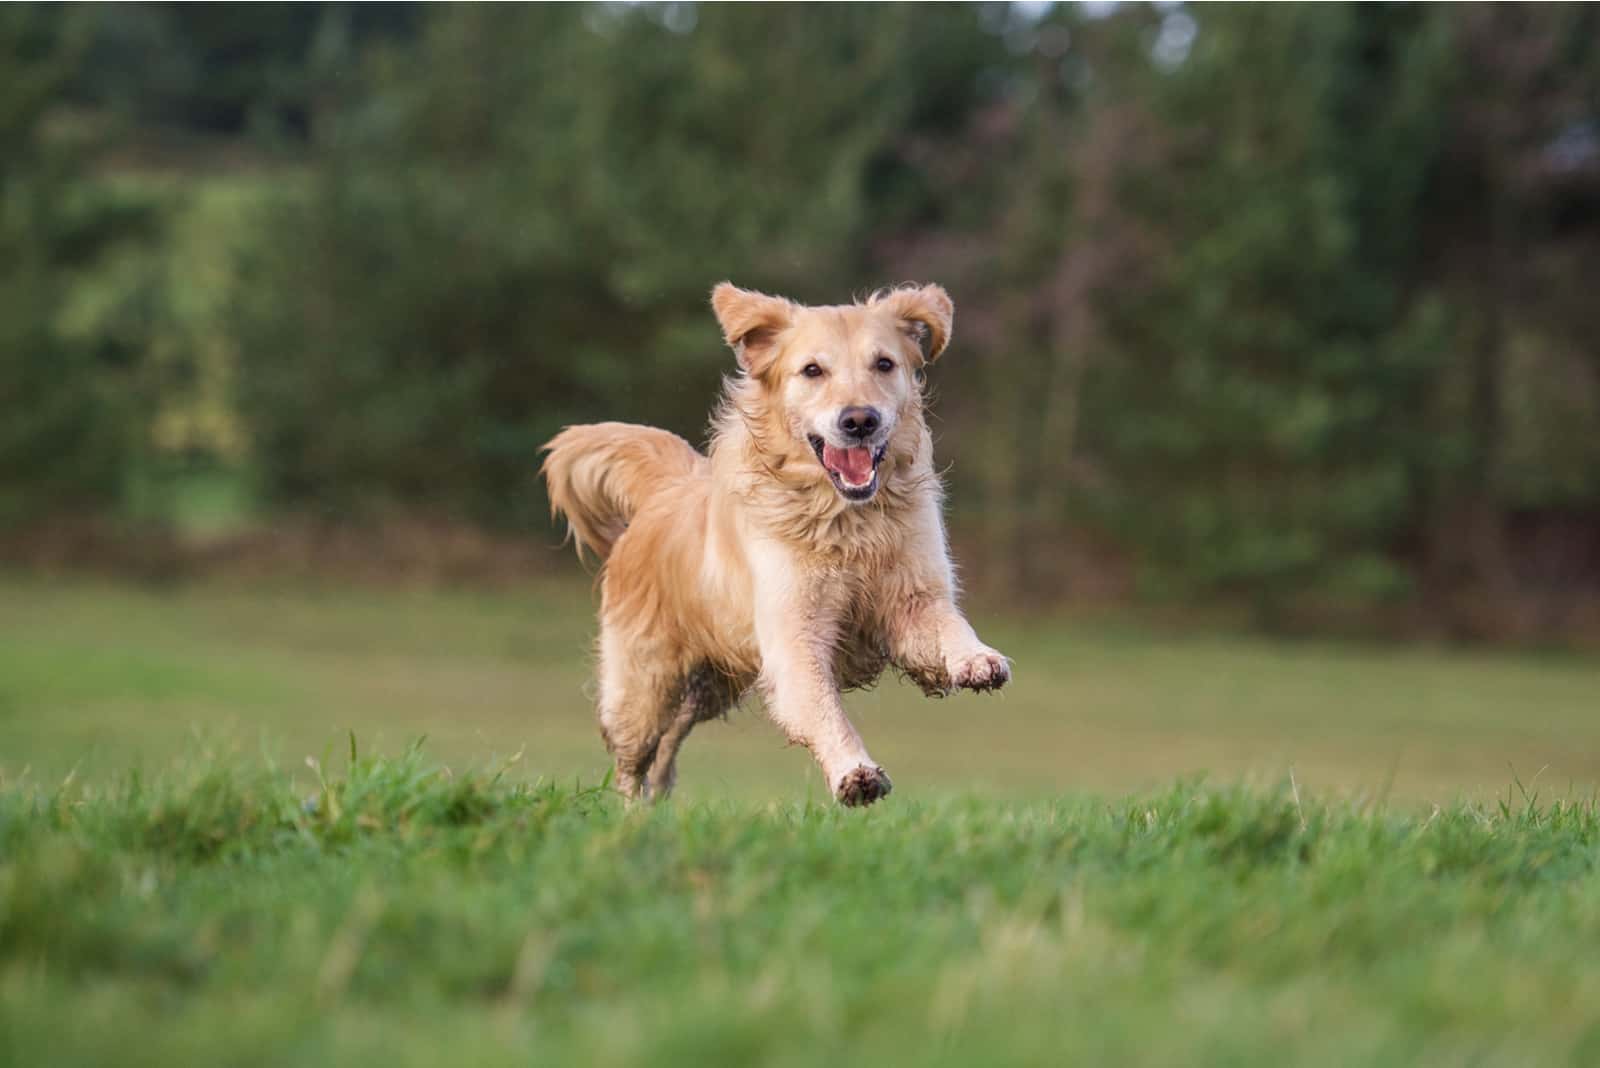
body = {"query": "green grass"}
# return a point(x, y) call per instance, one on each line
point(195, 868)
point(395, 911)
point(102, 678)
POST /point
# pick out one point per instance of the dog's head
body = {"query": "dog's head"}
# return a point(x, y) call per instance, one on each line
point(841, 379)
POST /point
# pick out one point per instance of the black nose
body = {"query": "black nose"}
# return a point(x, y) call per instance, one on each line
point(860, 423)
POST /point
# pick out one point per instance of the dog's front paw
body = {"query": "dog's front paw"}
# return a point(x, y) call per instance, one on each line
point(863, 786)
point(981, 671)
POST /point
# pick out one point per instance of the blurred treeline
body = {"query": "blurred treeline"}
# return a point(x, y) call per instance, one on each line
point(1289, 305)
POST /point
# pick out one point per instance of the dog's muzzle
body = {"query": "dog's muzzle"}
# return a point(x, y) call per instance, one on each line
point(853, 469)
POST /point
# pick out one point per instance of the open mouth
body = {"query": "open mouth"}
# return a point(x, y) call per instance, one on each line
point(854, 471)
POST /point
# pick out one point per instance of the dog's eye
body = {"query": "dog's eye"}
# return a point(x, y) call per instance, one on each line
point(884, 364)
point(812, 370)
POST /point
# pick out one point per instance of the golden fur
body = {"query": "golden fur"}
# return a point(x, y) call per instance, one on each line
point(754, 566)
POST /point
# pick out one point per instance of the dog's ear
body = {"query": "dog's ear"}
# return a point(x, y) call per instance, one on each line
point(926, 314)
point(751, 323)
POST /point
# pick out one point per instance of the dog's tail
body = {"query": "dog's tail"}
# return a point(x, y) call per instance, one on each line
point(598, 476)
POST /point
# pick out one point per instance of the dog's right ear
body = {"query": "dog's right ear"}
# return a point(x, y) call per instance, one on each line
point(751, 323)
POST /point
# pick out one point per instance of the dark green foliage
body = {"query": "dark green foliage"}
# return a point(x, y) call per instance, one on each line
point(221, 69)
point(73, 417)
point(1273, 302)
point(1278, 358)
point(516, 226)
point(1244, 305)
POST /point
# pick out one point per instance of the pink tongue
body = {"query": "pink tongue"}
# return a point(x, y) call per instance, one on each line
point(852, 465)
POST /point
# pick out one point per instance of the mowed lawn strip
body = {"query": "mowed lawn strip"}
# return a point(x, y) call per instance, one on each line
point(394, 909)
point(97, 677)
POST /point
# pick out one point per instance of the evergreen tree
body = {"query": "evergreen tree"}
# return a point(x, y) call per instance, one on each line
point(1263, 409)
point(517, 225)
point(72, 406)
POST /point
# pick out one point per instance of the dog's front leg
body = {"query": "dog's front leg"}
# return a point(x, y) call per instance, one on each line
point(932, 642)
point(929, 639)
point(796, 627)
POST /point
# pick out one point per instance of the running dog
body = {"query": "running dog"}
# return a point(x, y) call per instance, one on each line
point(803, 555)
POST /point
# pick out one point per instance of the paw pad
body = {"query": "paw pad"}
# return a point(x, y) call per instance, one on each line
point(863, 786)
point(986, 671)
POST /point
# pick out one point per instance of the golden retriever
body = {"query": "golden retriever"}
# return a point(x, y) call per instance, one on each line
point(802, 556)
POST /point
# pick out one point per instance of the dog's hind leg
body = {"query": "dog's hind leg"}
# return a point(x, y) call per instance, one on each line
point(636, 708)
point(706, 694)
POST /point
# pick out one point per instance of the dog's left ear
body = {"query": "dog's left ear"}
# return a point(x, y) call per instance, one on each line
point(926, 314)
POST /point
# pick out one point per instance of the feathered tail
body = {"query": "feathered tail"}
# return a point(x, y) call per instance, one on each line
point(598, 476)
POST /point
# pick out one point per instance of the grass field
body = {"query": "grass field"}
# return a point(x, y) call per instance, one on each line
point(1036, 891)
point(103, 678)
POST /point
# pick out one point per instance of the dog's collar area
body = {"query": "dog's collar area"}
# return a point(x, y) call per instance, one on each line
point(854, 493)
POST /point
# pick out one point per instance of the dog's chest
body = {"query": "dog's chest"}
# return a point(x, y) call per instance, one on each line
point(862, 652)
point(860, 666)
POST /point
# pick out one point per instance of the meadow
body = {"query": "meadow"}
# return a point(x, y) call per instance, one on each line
point(221, 840)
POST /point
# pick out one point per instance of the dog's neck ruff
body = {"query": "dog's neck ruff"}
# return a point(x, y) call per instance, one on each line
point(784, 488)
